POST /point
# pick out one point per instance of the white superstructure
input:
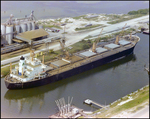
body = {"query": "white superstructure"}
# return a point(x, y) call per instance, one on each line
point(30, 67)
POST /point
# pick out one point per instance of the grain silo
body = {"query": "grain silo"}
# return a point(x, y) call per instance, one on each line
point(3, 29)
point(33, 25)
point(17, 26)
point(9, 37)
point(28, 26)
point(23, 27)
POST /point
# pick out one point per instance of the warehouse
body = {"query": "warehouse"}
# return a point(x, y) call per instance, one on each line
point(33, 35)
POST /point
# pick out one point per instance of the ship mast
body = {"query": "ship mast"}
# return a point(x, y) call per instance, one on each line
point(130, 35)
point(117, 40)
point(43, 59)
point(22, 73)
point(32, 54)
point(95, 42)
point(121, 33)
point(10, 67)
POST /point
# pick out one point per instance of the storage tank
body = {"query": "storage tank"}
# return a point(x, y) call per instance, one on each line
point(28, 26)
point(18, 28)
point(40, 26)
point(3, 29)
point(9, 37)
point(23, 27)
point(33, 25)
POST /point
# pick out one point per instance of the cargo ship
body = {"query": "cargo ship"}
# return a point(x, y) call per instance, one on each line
point(31, 72)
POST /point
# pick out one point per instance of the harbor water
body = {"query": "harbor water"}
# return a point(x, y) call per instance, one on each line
point(103, 85)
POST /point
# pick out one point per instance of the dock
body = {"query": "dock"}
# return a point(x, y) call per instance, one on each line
point(90, 102)
point(68, 110)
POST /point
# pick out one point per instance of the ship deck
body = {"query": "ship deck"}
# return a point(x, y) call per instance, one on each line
point(84, 60)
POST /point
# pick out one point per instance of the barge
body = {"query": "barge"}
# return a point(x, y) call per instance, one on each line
point(31, 72)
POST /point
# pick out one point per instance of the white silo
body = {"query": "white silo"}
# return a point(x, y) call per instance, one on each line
point(28, 26)
point(33, 25)
point(23, 27)
point(17, 28)
point(9, 37)
point(40, 26)
point(3, 29)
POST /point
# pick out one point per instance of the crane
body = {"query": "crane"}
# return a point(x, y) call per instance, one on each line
point(121, 33)
point(95, 42)
point(32, 53)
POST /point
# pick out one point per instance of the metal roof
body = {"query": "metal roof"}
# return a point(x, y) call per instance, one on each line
point(112, 46)
point(87, 53)
point(100, 49)
point(124, 42)
point(29, 35)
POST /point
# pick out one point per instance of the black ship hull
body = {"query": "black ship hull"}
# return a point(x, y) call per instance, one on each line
point(71, 72)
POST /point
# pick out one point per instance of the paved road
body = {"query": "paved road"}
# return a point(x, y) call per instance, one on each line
point(76, 37)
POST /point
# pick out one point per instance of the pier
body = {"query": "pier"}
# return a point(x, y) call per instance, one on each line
point(68, 110)
point(146, 31)
point(89, 102)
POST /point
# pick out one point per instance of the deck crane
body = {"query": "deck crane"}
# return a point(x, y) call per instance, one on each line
point(95, 42)
point(32, 54)
point(121, 33)
point(62, 44)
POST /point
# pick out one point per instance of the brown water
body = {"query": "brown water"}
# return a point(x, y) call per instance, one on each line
point(103, 84)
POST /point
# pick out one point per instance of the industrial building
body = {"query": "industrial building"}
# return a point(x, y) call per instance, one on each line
point(33, 35)
point(22, 29)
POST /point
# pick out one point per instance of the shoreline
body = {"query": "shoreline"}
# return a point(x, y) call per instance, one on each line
point(113, 111)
